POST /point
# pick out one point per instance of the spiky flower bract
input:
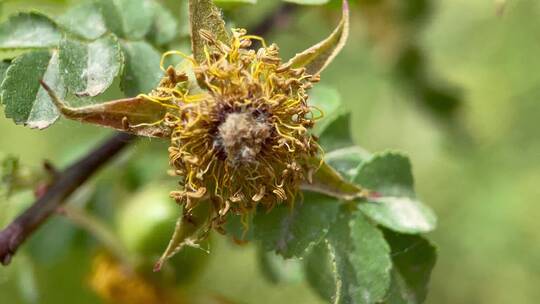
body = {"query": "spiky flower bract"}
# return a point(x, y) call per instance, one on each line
point(243, 140)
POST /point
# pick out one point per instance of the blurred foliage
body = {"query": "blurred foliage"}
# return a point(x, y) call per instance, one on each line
point(485, 193)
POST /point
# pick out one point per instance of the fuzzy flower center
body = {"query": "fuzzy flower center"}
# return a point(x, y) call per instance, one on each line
point(241, 137)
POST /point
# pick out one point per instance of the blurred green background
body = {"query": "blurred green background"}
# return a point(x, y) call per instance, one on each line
point(453, 83)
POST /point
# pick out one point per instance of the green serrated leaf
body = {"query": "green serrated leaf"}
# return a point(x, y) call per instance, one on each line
point(204, 15)
point(276, 269)
point(84, 20)
point(165, 26)
point(292, 231)
point(413, 258)
point(28, 31)
point(25, 101)
point(395, 205)
point(353, 263)
point(89, 68)
point(318, 57)
point(142, 71)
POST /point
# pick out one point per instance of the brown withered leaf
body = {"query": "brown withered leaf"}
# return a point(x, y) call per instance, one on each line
point(328, 181)
point(136, 115)
point(318, 57)
point(204, 15)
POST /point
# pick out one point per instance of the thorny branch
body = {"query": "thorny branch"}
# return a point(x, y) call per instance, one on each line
point(67, 182)
point(14, 235)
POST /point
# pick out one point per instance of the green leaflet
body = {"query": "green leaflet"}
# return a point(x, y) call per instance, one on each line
point(413, 260)
point(142, 72)
point(24, 100)
point(318, 57)
point(395, 205)
point(28, 31)
point(352, 264)
point(204, 15)
point(89, 68)
point(292, 231)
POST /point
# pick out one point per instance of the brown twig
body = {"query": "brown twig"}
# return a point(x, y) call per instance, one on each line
point(65, 184)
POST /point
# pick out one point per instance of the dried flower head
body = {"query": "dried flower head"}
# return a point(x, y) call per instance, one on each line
point(245, 140)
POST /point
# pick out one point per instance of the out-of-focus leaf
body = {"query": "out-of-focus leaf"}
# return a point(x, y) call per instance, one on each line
point(112, 16)
point(337, 134)
point(352, 264)
point(395, 206)
point(318, 57)
point(29, 30)
point(327, 100)
point(278, 270)
point(413, 260)
point(137, 16)
point(84, 20)
point(137, 115)
point(142, 72)
point(89, 68)
point(131, 19)
point(24, 99)
point(328, 181)
point(165, 26)
point(204, 15)
point(292, 231)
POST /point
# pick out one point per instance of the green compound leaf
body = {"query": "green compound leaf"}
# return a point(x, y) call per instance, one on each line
point(165, 26)
point(292, 231)
point(395, 206)
point(414, 258)
point(204, 15)
point(142, 72)
point(318, 57)
point(24, 99)
point(352, 264)
point(84, 20)
point(89, 68)
point(29, 30)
